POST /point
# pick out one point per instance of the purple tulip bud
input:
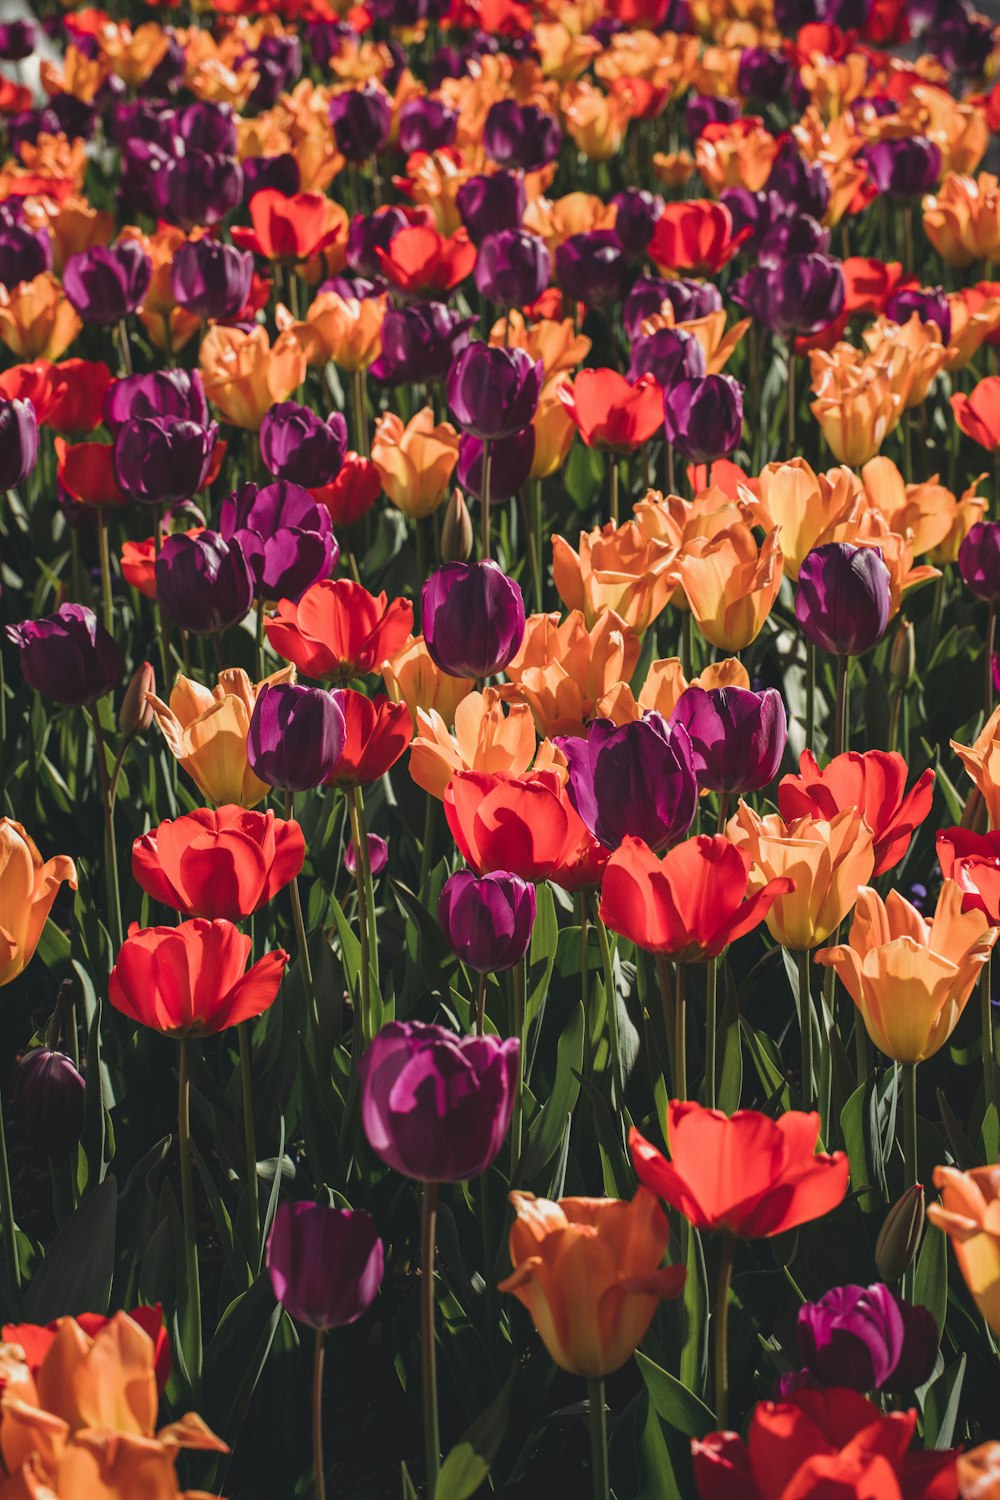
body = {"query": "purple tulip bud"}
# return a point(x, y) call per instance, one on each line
point(24, 253)
point(493, 391)
point(521, 136)
point(18, 442)
point(802, 185)
point(844, 598)
point(867, 1339)
point(369, 233)
point(165, 393)
point(798, 235)
point(763, 74)
point(473, 618)
point(108, 282)
point(296, 737)
point(163, 459)
point(593, 268)
point(708, 109)
point(203, 582)
point(68, 656)
point(903, 168)
point(490, 203)
point(420, 342)
point(361, 120)
point(280, 173)
point(668, 355)
point(979, 560)
point(692, 299)
point(378, 855)
point(435, 1106)
point(929, 303)
point(286, 536)
point(297, 445)
point(47, 1101)
point(799, 295)
point(209, 127)
point(737, 736)
point(759, 211)
point(487, 919)
point(426, 125)
point(635, 219)
point(511, 458)
point(963, 41)
point(703, 419)
point(198, 188)
point(210, 279)
point(512, 267)
point(637, 778)
point(17, 40)
point(325, 1264)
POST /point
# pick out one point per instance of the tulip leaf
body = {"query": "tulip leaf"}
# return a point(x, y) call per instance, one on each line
point(553, 1121)
point(941, 1404)
point(852, 1122)
point(76, 1274)
point(930, 1287)
point(53, 945)
point(468, 1464)
point(674, 1403)
point(409, 1489)
point(238, 1353)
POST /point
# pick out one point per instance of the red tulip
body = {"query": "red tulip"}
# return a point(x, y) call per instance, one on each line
point(874, 783)
point(86, 472)
point(972, 860)
point(354, 491)
point(68, 397)
point(978, 415)
point(292, 228)
point(378, 732)
point(420, 259)
point(743, 1174)
point(192, 980)
point(524, 824)
point(612, 413)
point(691, 904)
point(695, 235)
point(338, 630)
point(218, 862)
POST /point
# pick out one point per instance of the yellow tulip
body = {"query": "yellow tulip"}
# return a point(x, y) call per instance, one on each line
point(415, 462)
point(206, 732)
point(28, 887)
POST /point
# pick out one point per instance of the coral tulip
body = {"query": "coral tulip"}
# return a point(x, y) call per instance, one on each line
point(978, 415)
point(875, 784)
point(982, 761)
point(420, 261)
point(611, 412)
point(289, 229)
point(695, 235)
point(223, 863)
point(525, 824)
point(377, 733)
point(972, 860)
point(337, 630)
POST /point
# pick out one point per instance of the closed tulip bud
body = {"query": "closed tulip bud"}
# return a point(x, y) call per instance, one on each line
point(843, 600)
point(203, 582)
point(904, 168)
point(426, 125)
point(68, 656)
point(24, 254)
point(763, 74)
point(296, 736)
point(799, 295)
point(473, 618)
point(167, 394)
point(107, 283)
point(668, 355)
point(456, 530)
point(490, 203)
point(593, 268)
point(737, 736)
point(18, 442)
point(136, 714)
point(636, 778)
point(511, 460)
point(979, 560)
point(899, 1238)
point(361, 120)
point(487, 919)
point(512, 267)
point(867, 1339)
point(493, 391)
point(378, 855)
point(296, 444)
point(635, 220)
point(161, 460)
point(47, 1101)
point(903, 656)
point(17, 40)
point(325, 1263)
point(703, 419)
point(419, 341)
point(521, 136)
point(211, 280)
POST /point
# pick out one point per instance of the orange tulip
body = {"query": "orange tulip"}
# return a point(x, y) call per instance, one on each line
point(979, 1468)
point(616, 568)
point(611, 412)
point(978, 415)
point(911, 978)
point(557, 344)
point(343, 329)
point(411, 677)
point(968, 509)
point(564, 671)
point(36, 320)
point(288, 229)
point(695, 235)
point(828, 861)
point(338, 630)
point(169, 327)
point(856, 408)
point(589, 1272)
point(415, 462)
point(739, 154)
point(554, 431)
point(596, 122)
point(808, 509)
point(28, 888)
point(962, 220)
point(576, 213)
point(709, 330)
point(924, 513)
point(730, 584)
point(982, 761)
point(485, 739)
point(914, 353)
point(245, 375)
point(969, 1215)
point(205, 730)
point(972, 322)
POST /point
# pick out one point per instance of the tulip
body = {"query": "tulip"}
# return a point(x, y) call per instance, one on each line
point(422, 262)
point(245, 375)
point(704, 418)
point(523, 824)
point(484, 740)
point(616, 569)
point(108, 282)
point(790, 239)
point(289, 228)
point(493, 392)
point(856, 410)
point(809, 509)
point(416, 461)
point(37, 321)
point(487, 919)
point(47, 1101)
point(222, 863)
point(511, 464)
point(962, 220)
point(730, 584)
point(86, 473)
point(490, 203)
point(635, 219)
point(521, 136)
point(800, 184)
point(338, 630)
point(473, 618)
point(161, 460)
point(419, 342)
point(376, 733)
point(668, 355)
point(979, 1471)
point(17, 40)
point(800, 295)
point(967, 1216)
point(296, 736)
point(300, 447)
point(696, 235)
point(170, 395)
point(192, 980)
point(413, 678)
point(206, 731)
point(737, 736)
point(68, 397)
point(905, 168)
point(325, 1264)
point(18, 442)
point(930, 306)
point(978, 415)
point(426, 125)
point(610, 412)
point(636, 779)
point(68, 656)
point(361, 119)
point(867, 1339)
point(204, 582)
point(593, 268)
point(512, 267)
point(353, 493)
point(210, 279)
point(973, 861)
point(284, 535)
point(589, 1271)
point(28, 889)
point(843, 600)
point(763, 74)
point(708, 109)
point(554, 430)
point(875, 784)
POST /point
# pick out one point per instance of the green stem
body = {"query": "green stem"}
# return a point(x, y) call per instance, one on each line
point(598, 1421)
point(711, 1032)
point(805, 1028)
point(840, 734)
point(258, 658)
point(721, 1331)
point(360, 413)
point(539, 543)
point(427, 847)
point(861, 1056)
point(989, 1050)
point(687, 643)
point(305, 963)
point(428, 1359)
point(665, 979)
point(517, 1118)
point(487, 467)
point(614, 489)
point(680, 1032)
point(191, 1321)
point(908, 1085)
point(366, 870)
point(810, 694)
point(319, 1469)
point(104, 552)
point(790, 415)
point(9, 1230)
point(363, 929)
point(611, 1001)
point(480, 1004)
point(110, 848)
point(991, 636)
point(250, 1138)
point(123, 347)
point(162, 623)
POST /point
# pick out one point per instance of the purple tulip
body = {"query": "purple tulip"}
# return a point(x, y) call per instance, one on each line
point(209, 127)
point(487, 919)
point(668, 355)
point(692, 299)
point(708, 109)
point(511, 458)
point(979, 560)
point(763, 74)
point(204, 582)
point(799, 295)
point(703, 419)
point(24, 253)
point(903, 168)
point(296, 736)
point(435, 1106)
point(759, 211)
point(325, 1264)
point(281, 173)
point(369, 233)
point(420, 342)
point(867, 1339)
point(198, 188)
point(493, 391)
point(521, 136)
point(68, 656)
point(18, 442)
point(512, 267)
point(844, 598)
point(929, 303)
point(593, 268)
point(802, 185)
point(378, 855)
point(108, 283)
point(636, 778)
point(165, 393)
point(163, 459)
point(490, 203)
point(17, 40)
point(473, 618)
point(426, 125)
point(47, 1101)
point(296, 444)
point(210, 279)
point(963, 41)
point(361, 120)
point(635, 219)
point(737, 736)
point(286, 536)
point(797, 235)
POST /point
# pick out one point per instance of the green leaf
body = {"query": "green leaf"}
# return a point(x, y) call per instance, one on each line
point(677, 1406)
point(931, 1281)
point(409, 1489)
point(53, 945)
point(553, 1121)
point(75, 1276)
point(941, 1403)
point(238, 1353)
point(468, 1463)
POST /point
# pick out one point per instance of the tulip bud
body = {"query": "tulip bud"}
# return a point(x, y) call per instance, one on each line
point(899, 1237)
point(456, 533)
point(903, 656)
point(136, 712)
point(48, 1101)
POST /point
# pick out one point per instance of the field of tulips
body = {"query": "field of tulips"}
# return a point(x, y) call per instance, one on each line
point(499, 750)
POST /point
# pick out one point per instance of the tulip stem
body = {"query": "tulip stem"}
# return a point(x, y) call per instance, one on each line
point(805, 1028)
point(840, 731)
point(319, 1468)
point(614, 489)
point(989, 1049)
point(163, 627)
point(667, 1002)
point(259, 643)
point(428, 1358)
point(486, 523)
point(721, 1331)
point(584, 954)
point(538, 542)
point(991, 636)
point(480, 1004)
point(810, 694)
point(611, 1001)
point(110, 848)
point(300, 932)
point(519, 981)
point(598, 1419)
point(191, 1321)
point(908, 1083)
point(711, 1031)
point(687, 643)
point(360, 414)
point(364, 932)
point(680, 1033)
point(250, 1139)
point(9, 1230)
point(104, 553)
point(123, 347)
point(790, 414)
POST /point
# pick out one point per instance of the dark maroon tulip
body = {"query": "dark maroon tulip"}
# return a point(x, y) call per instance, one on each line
point(929, 303)
point(296, 737)
point(419, 343)
point(198, 188)
point(799, 295)
point(867, 1338)
point(763, 74)
point(637, 778)
point(208, 126)
point(511, 458)
point(210, 279)
point(68, 656)
point(17, 40)
point(493, 391)
point(378, 855)
point(593, 268)
point(361, 120)
point(737, 736)
point(369, 233)
point(325, 1264)
point(796, 235)
point(473, 618)
point(24, 253)
point(487, 919)
point(904, 168)
point(963, 41)
point(490, 203)
point(708, 109)
point(844, 598)
point(668, 355)
point(521, 136)
point(164, 393)
point(108, 283)
point(203, 582)
point(802, 185)
point(435, 1106)
point(635, 219)
point(163, 459)
point(512, 267)
point(703, 419)
point(286, 535)
point(279, 172)
point(47, 1101)
point(426, 125)
point(979, 560)
point(759, 212)
point(296, 444)
point(18, 442)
